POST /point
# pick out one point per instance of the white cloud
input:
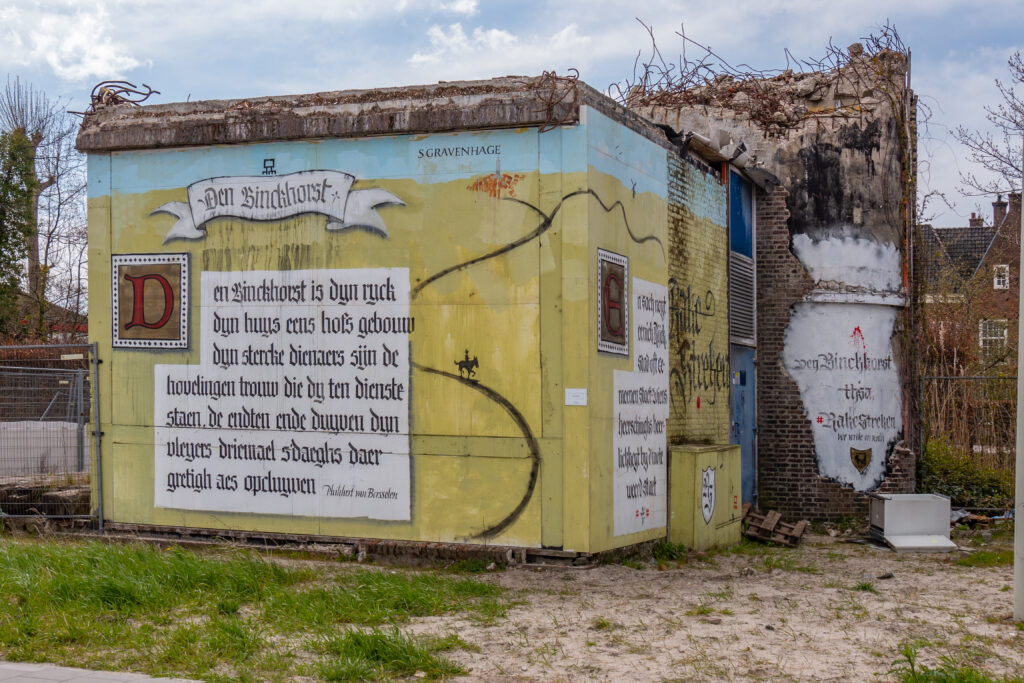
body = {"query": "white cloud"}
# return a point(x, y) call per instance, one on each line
point(455, 44)
point(467, 7)
point(80, 46)
point(80, 40)
point(484, 53)
point(76, 44)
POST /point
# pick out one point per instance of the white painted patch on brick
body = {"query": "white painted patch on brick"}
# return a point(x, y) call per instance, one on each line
point(851, 261)
point(838, 349)
point(840, 356)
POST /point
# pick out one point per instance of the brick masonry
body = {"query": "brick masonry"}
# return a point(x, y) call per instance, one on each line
point(698, 267)
point(787, 471)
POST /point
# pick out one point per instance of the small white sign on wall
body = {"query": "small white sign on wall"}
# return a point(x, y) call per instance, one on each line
point(575, 397)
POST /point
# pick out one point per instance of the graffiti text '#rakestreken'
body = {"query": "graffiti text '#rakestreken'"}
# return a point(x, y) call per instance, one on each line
point(838, 421)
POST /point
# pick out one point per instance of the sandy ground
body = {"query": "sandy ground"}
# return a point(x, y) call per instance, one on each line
point(767, 614)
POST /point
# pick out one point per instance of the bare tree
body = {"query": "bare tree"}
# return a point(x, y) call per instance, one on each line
point(999, 153)
point(57, 241)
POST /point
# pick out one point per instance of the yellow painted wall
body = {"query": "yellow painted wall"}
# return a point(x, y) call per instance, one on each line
point(698, 287)
point(705, 476)
point(527, 313)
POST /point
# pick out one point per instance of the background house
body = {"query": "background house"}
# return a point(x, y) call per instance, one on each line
point(971, 287)
point(969, 279)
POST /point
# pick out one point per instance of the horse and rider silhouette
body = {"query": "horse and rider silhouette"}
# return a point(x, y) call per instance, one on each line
point(467, 367)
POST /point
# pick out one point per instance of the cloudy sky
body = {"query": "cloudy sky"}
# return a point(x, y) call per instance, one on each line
point(204, 49)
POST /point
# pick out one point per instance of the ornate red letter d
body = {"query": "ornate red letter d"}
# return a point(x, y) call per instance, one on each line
point(138, 305)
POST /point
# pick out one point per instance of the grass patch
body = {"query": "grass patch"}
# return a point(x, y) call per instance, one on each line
point(215, 616)
point(907, 670)
point(748, 547)
point(666, 551)
point(700, 610)
point(865, 586)
point(776, 561)
point(987, 558)
point(381, 655)
point(474, 565)
point(130, 579)
point(602, 624)
point(376, 597)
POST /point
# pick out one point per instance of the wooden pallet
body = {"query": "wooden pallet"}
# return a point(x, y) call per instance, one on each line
point(770, 527)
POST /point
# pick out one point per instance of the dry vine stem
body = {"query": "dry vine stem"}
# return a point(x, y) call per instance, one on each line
point(106, 93)
point(772, 98)
point(552, 90)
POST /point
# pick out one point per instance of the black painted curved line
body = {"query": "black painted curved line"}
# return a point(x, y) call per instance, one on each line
point(531, 442)
point(622, 208)
point(537, 232)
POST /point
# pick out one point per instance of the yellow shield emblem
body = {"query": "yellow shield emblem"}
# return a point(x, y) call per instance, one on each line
point(860, 458)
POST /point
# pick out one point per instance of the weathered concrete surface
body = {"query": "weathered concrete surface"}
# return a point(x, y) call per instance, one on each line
point(444, 106)
point(835, 145)
point(24, 671)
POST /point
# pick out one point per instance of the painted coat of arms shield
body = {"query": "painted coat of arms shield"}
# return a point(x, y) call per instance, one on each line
point(860, 458)
point(707, 493)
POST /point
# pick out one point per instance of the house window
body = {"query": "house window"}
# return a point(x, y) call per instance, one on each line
point(1001, 277)
point(992, 337)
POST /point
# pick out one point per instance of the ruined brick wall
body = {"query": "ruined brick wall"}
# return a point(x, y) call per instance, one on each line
point(835, 354)
point(787, 473)
point(785, 446)
point(699, 334)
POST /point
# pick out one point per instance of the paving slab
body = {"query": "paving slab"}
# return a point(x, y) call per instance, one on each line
point(21, 671)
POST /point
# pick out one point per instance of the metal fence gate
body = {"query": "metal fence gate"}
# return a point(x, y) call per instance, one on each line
point(46, 402)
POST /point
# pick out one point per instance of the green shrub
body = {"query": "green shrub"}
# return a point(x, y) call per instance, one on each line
point(945, 469)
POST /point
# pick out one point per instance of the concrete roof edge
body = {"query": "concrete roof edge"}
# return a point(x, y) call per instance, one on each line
point(507, 102)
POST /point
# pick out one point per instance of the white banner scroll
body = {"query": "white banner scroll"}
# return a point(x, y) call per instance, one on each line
point(272, 198)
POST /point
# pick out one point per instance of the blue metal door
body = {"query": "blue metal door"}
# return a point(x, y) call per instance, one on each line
point(743, 416)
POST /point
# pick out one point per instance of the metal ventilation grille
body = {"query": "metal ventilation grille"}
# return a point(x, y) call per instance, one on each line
point(742, 320)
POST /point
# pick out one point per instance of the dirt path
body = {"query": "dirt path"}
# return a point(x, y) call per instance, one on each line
point(819, 612)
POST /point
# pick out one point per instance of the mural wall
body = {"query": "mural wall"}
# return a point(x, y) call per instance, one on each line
point(839, 350)
point(378, 337)
point(627, 431)
point(698, 298)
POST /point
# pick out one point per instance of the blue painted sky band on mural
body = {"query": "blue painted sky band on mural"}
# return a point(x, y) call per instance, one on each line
point(381, 157)
point(427, 158)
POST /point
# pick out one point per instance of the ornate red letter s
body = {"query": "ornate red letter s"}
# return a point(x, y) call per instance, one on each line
point(613, 303)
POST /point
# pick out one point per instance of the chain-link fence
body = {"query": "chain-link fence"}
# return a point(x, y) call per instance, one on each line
point(44, 432)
